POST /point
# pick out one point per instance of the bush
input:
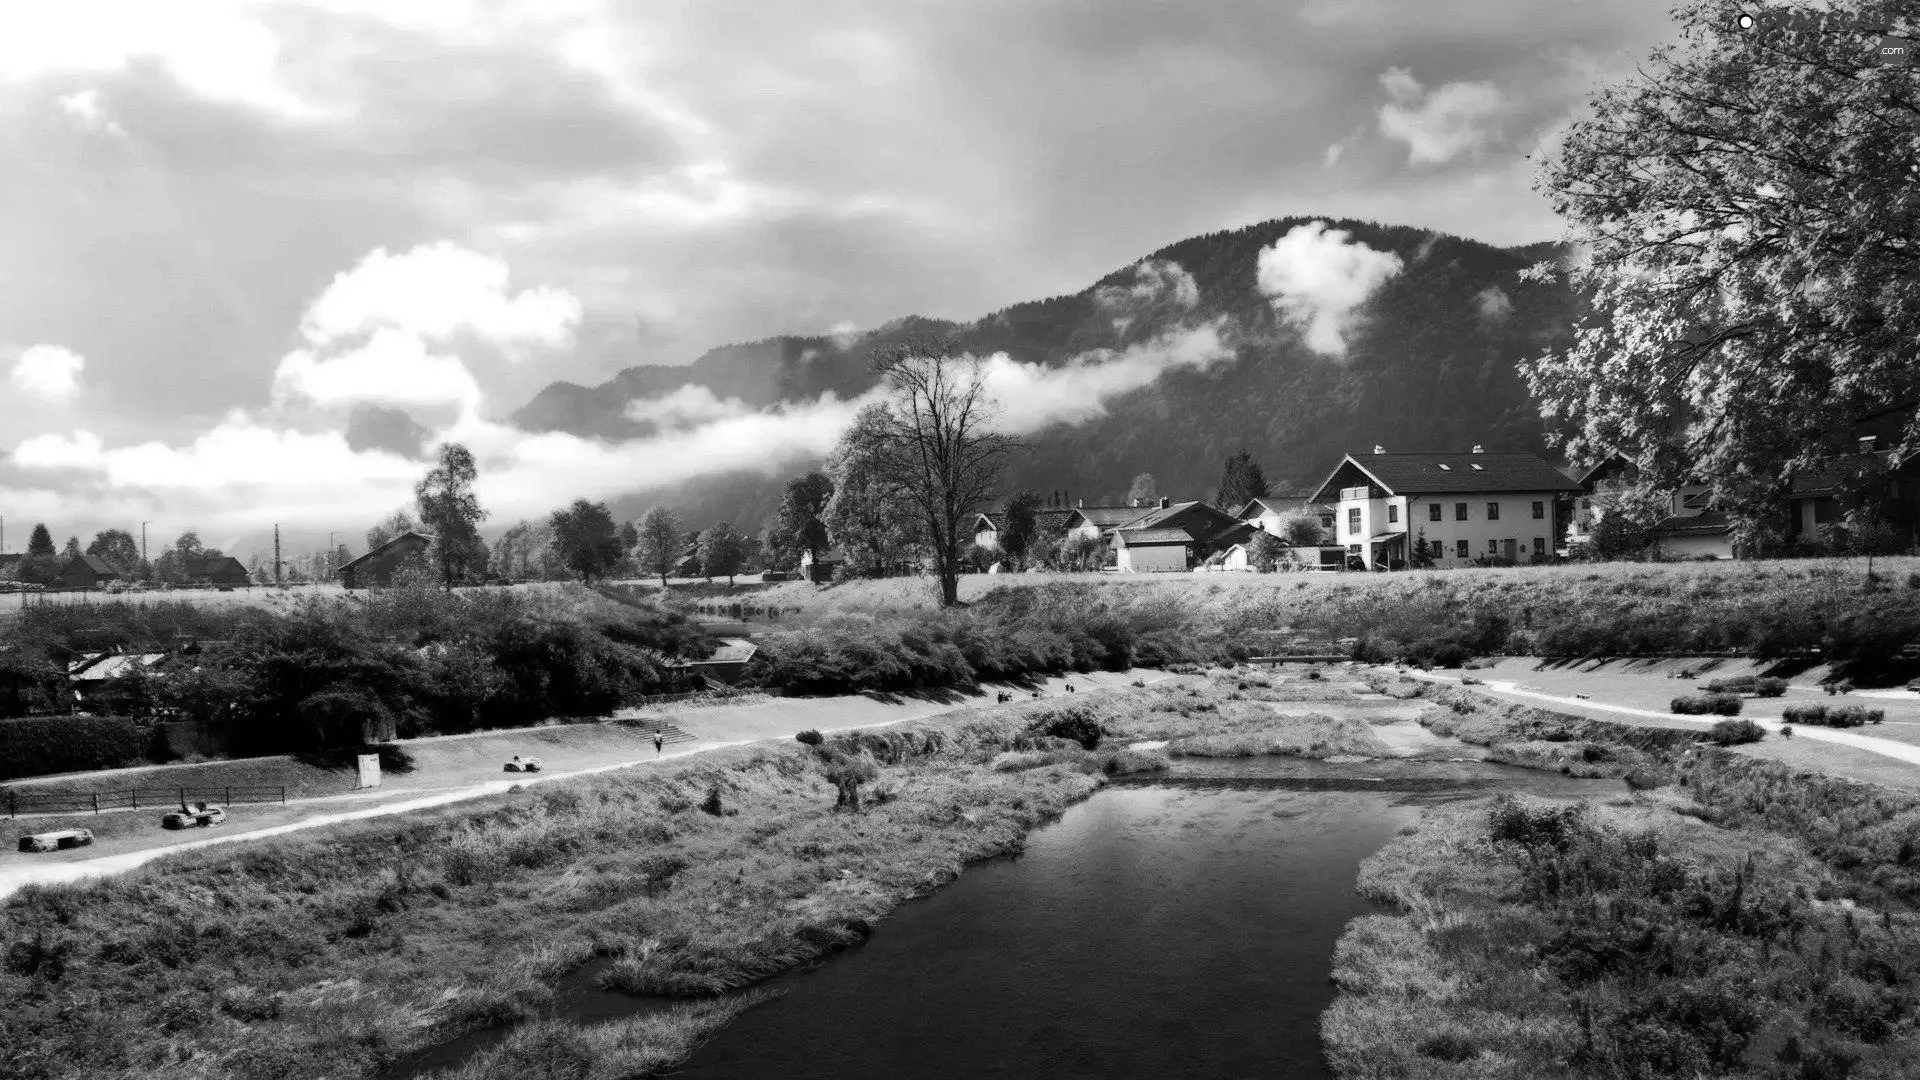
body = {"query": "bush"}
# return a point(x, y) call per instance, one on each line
point(56, 744)
point(1805, 712)
point(1736, 732)
point(810, 737)
point(1706, 705)
point(1769, 687)
point(1072, 722)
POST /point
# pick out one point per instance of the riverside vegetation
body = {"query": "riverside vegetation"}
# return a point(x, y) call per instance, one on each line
point(342, 951)
point(1729, 917)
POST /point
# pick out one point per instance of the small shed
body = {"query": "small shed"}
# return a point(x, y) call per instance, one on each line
point(87, 572)
point(823, 569)
point(1152, 550)
point(376, 567)
point(217, 570)
point(728, 664)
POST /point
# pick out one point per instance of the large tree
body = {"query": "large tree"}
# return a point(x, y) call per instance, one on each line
point(869, 513)
point(72, 549)
point(588, 540)
point(450, 510)
point(1144, 489)
point(400, 521)
point(1241, 480)
point(722, 550)
point(937, 442)
point(662, 543)
point(1747, 204)
point(118, 548)
point(1020, 526)
point(802, 526)
point(40, 541)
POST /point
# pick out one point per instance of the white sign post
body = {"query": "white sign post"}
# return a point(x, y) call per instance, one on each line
point(369, 770)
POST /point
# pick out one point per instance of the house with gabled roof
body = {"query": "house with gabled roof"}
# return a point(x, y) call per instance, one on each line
point(1444, 509)
point(1098, 522)
point(1269, 513)
point(1174, 536)
point(376, 567)
point(87, 572)
point(1049, 525)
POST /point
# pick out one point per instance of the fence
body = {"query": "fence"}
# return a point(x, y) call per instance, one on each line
point(93, 802)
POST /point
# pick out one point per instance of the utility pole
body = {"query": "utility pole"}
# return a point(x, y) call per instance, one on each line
point(333, 564)
point(276, 553)
point(143, 544)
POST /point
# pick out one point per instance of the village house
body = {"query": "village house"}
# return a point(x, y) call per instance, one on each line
point(1098, 522)
point(1444, 509)
point(1174, 536)
point(376, 568)
point(87, 572)
point(1049, 525)
point(216, 570)
point(1269, 513)
point(825, 568)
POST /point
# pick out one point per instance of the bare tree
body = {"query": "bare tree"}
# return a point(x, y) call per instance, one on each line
point(937, 443)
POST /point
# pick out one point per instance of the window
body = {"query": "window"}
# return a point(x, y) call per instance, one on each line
point(1433, 511)
point(1493, 511)
point(1353, 521)
point(1444, 467)
point(1459, 511)
point(1460, 548)
point(1353, 549)
point(1695, 500)
point(1539, 509)
point(1539, 546)
point(1393, 513)
point(1476, 468)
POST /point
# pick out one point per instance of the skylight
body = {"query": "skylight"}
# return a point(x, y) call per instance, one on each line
point(1444, 467)
point(1474, 467)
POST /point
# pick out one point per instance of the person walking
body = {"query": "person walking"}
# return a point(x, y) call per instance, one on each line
point(659, 744)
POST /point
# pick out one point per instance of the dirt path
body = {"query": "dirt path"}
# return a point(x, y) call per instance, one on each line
point(1899, 751)
point(713, 728)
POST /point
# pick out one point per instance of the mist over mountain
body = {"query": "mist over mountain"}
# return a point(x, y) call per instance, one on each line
point(1338, 335)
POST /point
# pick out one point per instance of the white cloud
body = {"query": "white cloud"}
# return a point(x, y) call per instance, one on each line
point(85, 108)
point(844, 334)
point(48, 372)
point(1318, 278)
point(393, 367)
point(1154, 281)
point(1493, 304)
point(437, 291)
point(1438, 126)
point(689, 405)
point(1033, 396)
point(1334, 153)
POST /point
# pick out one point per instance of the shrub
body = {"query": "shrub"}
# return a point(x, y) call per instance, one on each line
point(55, 744)
point(810, 737)
point(1805, 712)
point(1451, 655)
point(1736, 732)
point(711, 804)
point(1511, 821)
point(1769, 687)
point(1846, 716)
point(1786, 731)
point(1072, 722)
point(1706, 704)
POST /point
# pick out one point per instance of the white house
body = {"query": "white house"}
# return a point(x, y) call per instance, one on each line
point(1455, 507)
point(1269, 513)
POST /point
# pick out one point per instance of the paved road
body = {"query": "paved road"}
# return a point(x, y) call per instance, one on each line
point(776, 719)
point(1884, 747)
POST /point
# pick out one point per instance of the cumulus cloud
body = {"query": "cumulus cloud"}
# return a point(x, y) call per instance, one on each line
point(1493, 304)
point(1438, 126)
point(1033, 396)
point(1334, 152)
point(393, 367)
point(689, 405)
point(48, 372)
point(438, 291)
point(85, 109)
point(1318, 277)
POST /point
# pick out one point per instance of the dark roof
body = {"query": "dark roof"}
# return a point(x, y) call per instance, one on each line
point(211, 564)
point(92, 562)
point(422, 537)
point(1107, 517)
point(1450, 474)
point(1238, 532)
point(1045, 519)
point(1703, 524)
point(1156, 536)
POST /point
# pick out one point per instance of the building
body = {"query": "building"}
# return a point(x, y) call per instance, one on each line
point(728, 664)
point(87, 572)
point(1098, 522)
point(1269, 513)
point(92, 676)
point(1457, 509)
point(217, 570)
point(375, 569)
point(1049, 525)
point(825, 568)
point(1153, 550)
point(1175, 536)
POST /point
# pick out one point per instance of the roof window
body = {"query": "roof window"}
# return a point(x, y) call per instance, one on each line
point(1475, 467)
point(1444, 467)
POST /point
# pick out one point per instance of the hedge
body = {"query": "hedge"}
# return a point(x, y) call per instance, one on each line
point(1735, 732)
point(36, 746)
point(1839, 716)
point(1706, 704)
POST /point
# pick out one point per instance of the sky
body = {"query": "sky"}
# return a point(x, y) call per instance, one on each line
point(231, 225)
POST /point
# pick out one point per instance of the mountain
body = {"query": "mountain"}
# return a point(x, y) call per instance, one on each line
point(1429, 363)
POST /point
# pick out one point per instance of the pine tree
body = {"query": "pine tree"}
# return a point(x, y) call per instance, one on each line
point(41, 542)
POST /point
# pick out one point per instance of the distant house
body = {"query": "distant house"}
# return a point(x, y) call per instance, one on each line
point(92, 674)
point(1098, 522)
point(1893, 482)
point(823, 569)
point(375, 569)
point(220, 570)
point(10, 562)
point(727, 664)
point(87, 572)
point(1174, 536)
point(1269, 513)
point(1049, 525)
point(1458, 507)
point(1153, 550)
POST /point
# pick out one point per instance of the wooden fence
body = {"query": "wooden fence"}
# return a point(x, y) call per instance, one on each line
point(93, 802)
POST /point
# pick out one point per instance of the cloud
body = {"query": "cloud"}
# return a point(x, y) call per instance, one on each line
point(1437, 127)
point(437, 291)
point(1493, 304)
point(1154, 281)
point(85, 108)
point(1318, 278)
point(1333, 154)
point(393, 367)
point(48, 372)
point(1033, 396)
point(844, 334)
point(689, 405)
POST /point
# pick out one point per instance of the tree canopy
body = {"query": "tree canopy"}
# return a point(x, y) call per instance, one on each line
point(40, 541)
point(588, 540)
point(723, 551)
point(662, 542)
point(802, 527)
point(1241, 480)
point(118, 548)
point(1020, 525)
point(1747, 207)
point(451, 511)
point(1144, 489)
point(869, 514)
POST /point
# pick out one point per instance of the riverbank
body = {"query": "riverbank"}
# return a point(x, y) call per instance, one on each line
point(341, 952)
point(1731, 917)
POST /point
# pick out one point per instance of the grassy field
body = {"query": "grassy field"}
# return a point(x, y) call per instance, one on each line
point(339, 952)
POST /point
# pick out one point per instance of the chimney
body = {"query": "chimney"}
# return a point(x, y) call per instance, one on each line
point(1165, 502)
point(1378, 449)
point(1079, 504)
point(1478, 449)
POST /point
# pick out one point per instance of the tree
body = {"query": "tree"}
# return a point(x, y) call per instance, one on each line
point(801, 510)
point(1747, 205)
point(171, 566)
point(1241, 480)
point(40, 542)
point(629, 536)
point(400, 521)
point(1144, 489)
point(661, 542)
point(118, 547)
point(1303, 530)
point(1078, 551)
point(1020, 525)
point(451, 511)
point(937, 443)
point(722, 550)
point(1263, 551)
point(72, 549)
point(588, 540)
point(868, 514)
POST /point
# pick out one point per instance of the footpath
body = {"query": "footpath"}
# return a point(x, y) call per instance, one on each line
point(712, 728)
